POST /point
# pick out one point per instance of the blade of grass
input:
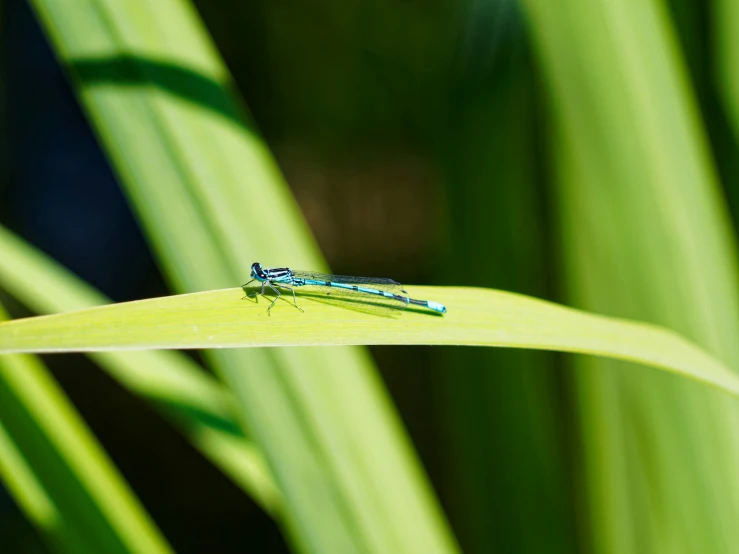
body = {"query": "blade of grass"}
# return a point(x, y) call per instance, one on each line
point(189, 398)
point(28, 492)
point(477, 317)
point(724, 72)
point(726, 53)
point(63, 469)
point(646, 236)
point(205, 188)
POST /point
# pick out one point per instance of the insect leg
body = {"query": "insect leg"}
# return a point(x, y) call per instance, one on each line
point(269, 284)
point(295, 301)
point(255, 294)
point(246, 285)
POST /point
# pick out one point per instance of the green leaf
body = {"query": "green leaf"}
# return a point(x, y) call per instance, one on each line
point(476, 317)
point(646, 235)
point(726, 49)
point(19, 479)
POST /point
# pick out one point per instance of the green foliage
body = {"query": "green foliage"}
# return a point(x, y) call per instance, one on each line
point(581, 170)
point(646, 235)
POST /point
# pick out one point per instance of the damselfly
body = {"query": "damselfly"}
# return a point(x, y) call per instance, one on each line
point(379, 293)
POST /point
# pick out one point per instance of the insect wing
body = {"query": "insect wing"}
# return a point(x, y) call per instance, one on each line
point(387, 285)
point(352, 299)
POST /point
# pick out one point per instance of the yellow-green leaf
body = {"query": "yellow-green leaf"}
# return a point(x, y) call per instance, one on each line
point(476, 317)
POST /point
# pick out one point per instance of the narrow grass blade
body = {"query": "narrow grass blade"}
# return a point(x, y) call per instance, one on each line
point(726, 53)
point(476, 317)
point(62, 478)
point(29, 494)
point(722, 76)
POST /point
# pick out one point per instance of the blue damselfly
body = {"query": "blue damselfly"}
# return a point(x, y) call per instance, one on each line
point(382, 294)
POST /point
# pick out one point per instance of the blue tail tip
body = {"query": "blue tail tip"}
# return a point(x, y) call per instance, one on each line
point(437, 307)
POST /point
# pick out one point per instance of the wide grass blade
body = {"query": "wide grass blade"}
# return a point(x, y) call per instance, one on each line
point(60, 475)
point(646, 236)
point(477, 317)
point(212, 201)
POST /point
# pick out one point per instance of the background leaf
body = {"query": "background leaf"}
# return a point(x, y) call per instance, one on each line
point(642, 218)
point(567, 152)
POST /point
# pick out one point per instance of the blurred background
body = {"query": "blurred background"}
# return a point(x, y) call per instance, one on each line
point(579, 151)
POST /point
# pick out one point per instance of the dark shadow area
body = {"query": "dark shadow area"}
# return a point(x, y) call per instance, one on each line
point(197, 507)
point(174, 79)
point(187, 415)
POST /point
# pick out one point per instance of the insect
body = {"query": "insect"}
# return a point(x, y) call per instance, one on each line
point(381, 294)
